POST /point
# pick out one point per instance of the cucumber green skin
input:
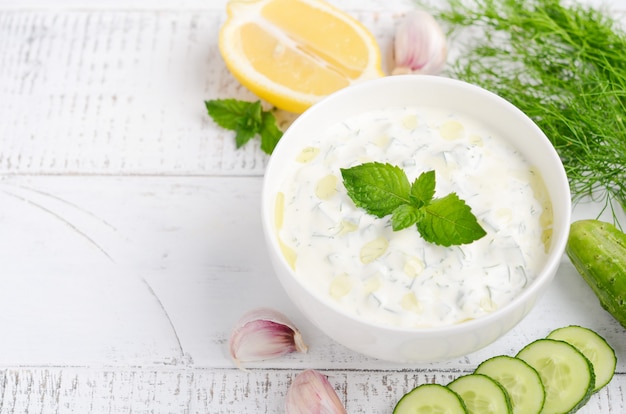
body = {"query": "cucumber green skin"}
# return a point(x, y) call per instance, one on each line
point(505, 395)
point(405, 406)
point(525, 409)
point(602, 373)
point(598, 251)
point(589, 391)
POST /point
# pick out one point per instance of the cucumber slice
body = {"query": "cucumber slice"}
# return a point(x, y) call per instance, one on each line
point(520, 380)
point(566, 373)
point(594, 347)
point(430, 398)
point(482, 394)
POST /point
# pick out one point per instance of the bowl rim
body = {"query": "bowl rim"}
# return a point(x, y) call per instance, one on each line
point(526, 295)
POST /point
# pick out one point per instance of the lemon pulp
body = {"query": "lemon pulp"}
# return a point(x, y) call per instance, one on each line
point(294, 52)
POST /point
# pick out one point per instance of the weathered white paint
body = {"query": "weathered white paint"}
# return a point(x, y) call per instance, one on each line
point(130, 235)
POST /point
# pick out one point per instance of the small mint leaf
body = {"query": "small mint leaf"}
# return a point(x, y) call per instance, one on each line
point(247, 119)
point(405, 216)
point(376, 187)
point(383, 189)
point(242, 136)
point(228, 113)
point(253, 118)
point(270, 133)
point(449, 221)
point(423, 189)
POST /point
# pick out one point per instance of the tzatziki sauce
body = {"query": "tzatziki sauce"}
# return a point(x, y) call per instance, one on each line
point(395, 278)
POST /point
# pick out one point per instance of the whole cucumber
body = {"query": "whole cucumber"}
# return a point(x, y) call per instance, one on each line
point(598, 251)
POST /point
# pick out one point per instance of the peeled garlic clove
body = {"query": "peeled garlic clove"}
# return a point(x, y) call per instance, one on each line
point(263, 334)
point(420, 45)
point(311, 393)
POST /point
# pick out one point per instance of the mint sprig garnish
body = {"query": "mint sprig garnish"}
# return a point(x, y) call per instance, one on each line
point(247, 119)
point(384, 189)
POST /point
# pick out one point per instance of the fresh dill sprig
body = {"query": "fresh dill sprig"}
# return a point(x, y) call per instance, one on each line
point(565, 67)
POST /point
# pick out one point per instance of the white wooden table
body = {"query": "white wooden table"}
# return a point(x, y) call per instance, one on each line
point(130, 234)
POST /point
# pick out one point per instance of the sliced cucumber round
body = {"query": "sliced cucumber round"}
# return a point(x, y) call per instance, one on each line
point(482, 394)
point(520, 380)
point(430, 398)
point(566, 373)
point(594, 347)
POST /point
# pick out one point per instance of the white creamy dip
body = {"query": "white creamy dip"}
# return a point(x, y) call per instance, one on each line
point(396, 278)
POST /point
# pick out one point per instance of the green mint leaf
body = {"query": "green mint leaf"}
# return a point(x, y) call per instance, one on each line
point(405, 216)
point(376, 187)
point(383, 189)
point(228, 113)
point(449, 221)
point(423, 189)
point(247, 119)
point(242, 136)
point(270, 133)
point(254, 116)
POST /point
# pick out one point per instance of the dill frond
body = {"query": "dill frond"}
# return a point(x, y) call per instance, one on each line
point(565, 67)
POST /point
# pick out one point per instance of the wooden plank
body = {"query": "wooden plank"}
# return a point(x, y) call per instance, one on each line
point(108, 92)
point(143, 270)
point(169, 5)
point(219, 391)
point(112, 92)
point(175, 5)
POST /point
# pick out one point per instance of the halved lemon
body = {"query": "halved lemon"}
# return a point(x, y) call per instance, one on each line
point(292, 53)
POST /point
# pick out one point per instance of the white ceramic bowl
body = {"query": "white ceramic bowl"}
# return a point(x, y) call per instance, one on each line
point(424, 344)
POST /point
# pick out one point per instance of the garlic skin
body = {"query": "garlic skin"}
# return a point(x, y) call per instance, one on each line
point(311, 393)
point(420, 45)
point(264, 333)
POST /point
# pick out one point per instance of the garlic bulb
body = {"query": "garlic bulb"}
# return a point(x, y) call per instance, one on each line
point(420, 45)
point(311, 393)
point(263, 334)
